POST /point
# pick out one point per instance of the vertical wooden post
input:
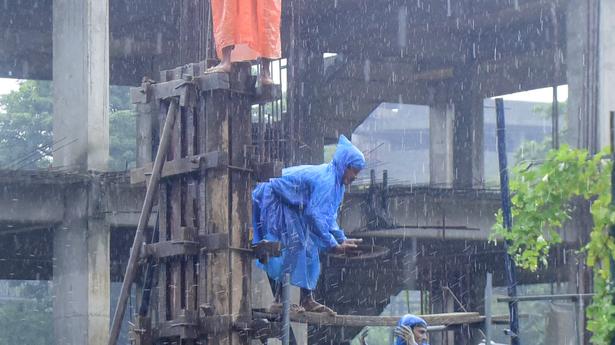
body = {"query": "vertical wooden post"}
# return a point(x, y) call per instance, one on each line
point(240, 208)
point(217, 206)
point(227, 211)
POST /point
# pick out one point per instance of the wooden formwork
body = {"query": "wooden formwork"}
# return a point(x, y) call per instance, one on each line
point(202, 251)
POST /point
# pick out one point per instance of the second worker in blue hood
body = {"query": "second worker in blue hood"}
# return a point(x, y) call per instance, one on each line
point(299, 209)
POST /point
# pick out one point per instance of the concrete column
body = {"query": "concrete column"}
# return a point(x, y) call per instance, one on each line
point(305, 75)
point(441, 121)
point(582, 73)
point(468, 163)
point(81, 84)
point(81, 267)
point(606, 87)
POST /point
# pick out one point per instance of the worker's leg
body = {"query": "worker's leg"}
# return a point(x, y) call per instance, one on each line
point(276, 289)
point(265, 76)
point(224, 15)
point(225, 64)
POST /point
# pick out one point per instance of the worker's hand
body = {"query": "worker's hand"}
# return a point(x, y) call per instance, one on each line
point(406, 334)
point(345, 246)
point(362, 337)
point(355, 241)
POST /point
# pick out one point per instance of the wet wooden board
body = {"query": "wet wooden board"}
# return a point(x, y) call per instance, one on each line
point(448, 319)
point(216, 207)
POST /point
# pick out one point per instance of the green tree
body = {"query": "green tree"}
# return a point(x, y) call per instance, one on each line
point(542, 196)
point(27, 318)
point(25, 126)
point(26, 121)
point(532, 150)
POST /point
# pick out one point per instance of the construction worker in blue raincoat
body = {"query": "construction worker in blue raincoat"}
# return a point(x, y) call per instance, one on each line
point(299, 209)
point(410, 330)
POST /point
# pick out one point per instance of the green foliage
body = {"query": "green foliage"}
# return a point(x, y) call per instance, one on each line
point(537, 150)
point(25, 126)
point(122, 140)
point(27, 319)
point(26, 122)
point(541, 204)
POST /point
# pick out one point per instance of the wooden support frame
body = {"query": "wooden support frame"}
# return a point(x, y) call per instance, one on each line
point(203, 253)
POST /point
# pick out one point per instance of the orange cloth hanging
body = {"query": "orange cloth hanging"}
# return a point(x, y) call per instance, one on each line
point(252, 26)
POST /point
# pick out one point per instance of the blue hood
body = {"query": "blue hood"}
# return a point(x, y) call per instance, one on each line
point(346, 155)
point(410, 321)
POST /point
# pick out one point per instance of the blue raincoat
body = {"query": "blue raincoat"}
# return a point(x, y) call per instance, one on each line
point(299, 209)
point(410, 321)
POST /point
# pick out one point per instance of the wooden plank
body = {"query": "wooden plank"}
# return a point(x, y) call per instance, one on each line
point(190, 282)
point(447, 319)
point(162, 266)
point(216, 207)
point(162, 231)
point(175, 217)
point(189, 213)
point(240, 133)
point(201, 219)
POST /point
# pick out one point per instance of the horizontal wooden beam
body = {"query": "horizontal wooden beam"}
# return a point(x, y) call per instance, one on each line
point(181, 166)
point(322, 319)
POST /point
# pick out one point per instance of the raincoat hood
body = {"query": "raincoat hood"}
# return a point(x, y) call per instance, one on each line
point(346, 155)
point(411, 321)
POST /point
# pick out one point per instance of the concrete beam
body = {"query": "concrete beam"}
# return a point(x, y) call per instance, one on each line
point(81, 84)
point(518, 73)
point(28, 204)
point(407, 31)
point(371, 92)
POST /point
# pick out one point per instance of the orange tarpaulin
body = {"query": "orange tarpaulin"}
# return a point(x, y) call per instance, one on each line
point(252, 26)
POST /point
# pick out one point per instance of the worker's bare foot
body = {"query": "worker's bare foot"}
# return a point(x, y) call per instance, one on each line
point(222, 67)
point(276, 308)
point(310, 305)
point(265, 80)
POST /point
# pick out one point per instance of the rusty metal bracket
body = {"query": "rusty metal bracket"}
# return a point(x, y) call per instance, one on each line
point(220, 241)
point(264, 250)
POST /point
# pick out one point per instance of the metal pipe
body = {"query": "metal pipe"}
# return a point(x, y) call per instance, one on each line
point(146, 210)
point(612, 227)
point(511, 275)
point(286, 309)
point(488, 296)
